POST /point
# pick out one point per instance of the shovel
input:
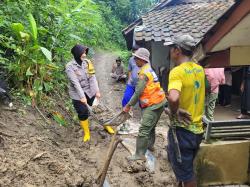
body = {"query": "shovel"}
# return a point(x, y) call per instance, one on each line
point(93, 114)
point(176, 143)
point(118, 119)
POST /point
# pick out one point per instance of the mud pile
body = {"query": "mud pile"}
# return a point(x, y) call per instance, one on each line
point(36, 154)
point(33, 153)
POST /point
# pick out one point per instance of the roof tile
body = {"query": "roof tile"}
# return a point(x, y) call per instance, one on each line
point(192, 18)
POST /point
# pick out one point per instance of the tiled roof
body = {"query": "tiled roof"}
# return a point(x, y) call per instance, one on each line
point(194, 18)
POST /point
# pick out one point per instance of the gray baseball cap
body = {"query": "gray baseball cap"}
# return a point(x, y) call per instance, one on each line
point(185, 41)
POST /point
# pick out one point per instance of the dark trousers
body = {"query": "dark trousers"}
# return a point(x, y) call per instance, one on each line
point(243, 107)
point(245, 101)
point(189, 144)
point(225, 95)
point(82, 109)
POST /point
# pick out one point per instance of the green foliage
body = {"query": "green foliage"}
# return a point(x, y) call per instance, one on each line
point(59, 119)
point(36, 38)
point(33, 27)
point(128, 11)
point(31, 63)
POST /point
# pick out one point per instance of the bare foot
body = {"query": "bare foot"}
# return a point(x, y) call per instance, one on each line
point(243, 116)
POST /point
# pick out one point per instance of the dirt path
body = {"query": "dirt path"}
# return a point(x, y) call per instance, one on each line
point(110, 90)
point(34, 154)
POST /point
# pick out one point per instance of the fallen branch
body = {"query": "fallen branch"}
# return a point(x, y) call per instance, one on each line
point(41, 114)
point(11, 109)
point(38, 156)
point(5, 134)
point(3, 124)
point(48, 143)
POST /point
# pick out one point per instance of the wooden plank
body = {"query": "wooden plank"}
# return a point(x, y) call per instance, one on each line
point(217, 59)
point(240, 55)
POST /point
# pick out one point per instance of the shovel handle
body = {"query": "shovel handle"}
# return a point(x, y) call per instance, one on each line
point(176, 145)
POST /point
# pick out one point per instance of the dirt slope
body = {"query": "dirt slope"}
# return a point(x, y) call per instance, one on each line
point(33, 153)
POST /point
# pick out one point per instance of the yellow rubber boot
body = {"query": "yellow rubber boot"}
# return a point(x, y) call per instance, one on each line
point(109, 129)
point(85, 128)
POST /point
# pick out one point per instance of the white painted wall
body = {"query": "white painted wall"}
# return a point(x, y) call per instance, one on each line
point(238, 36)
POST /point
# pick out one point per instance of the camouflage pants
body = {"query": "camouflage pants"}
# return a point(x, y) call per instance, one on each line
point(210, 106)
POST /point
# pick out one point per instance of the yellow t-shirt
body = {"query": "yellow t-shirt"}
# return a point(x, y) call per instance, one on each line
point(189, 79)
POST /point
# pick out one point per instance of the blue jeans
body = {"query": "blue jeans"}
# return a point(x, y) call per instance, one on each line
point(129, 92)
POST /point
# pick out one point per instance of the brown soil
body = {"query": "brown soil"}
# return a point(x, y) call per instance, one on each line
point(33, 153)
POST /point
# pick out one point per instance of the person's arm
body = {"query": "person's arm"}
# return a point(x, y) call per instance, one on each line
point(223, 78)
point(75, 82)
point(122, 69)
point(129, 69)
point(173, 100)
point(129, 74)
point(174, 89)
point(94, 85)
point(113, 68)
point(208, 80)
point(139, 89)
point(173, 96)
point(242, 86)
point(207, 86)
point(92, 79)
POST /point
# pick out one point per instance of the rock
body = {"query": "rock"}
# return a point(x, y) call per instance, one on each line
point(144, 179)
point(29, 185)
point(136, 166)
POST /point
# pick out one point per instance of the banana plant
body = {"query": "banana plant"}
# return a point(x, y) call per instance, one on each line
point(34, 62)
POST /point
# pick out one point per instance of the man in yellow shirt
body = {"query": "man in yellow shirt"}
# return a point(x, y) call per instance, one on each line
point(186, 90)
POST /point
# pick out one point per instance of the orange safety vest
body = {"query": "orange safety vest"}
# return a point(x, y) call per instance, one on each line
point(153, 93)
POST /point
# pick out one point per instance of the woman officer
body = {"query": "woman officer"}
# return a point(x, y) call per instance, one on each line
point(83, 86)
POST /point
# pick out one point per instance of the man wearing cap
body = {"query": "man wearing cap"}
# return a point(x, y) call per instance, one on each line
point(151, 99)
point(186, 90)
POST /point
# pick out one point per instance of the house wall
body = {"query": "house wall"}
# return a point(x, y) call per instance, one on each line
point(160, 62)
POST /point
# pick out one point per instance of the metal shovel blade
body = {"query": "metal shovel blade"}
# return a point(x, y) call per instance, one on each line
point(118, 119)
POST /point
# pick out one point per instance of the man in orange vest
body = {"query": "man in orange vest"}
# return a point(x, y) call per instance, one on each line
point(152, 100)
